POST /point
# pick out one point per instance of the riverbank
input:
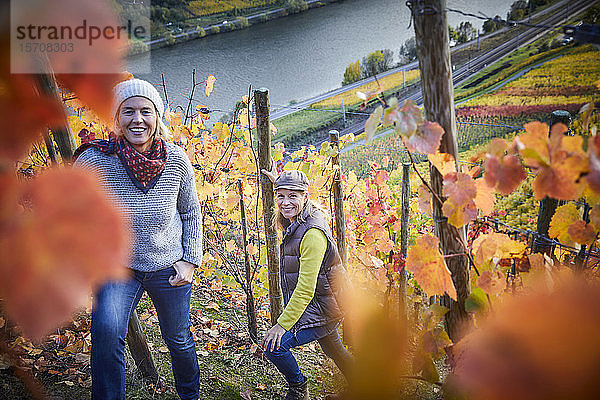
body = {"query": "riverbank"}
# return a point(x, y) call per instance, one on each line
point(227, 25)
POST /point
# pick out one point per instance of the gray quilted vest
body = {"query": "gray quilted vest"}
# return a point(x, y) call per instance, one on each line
point(323, 308)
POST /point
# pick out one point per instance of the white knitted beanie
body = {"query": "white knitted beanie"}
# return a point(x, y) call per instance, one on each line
point(136, 87)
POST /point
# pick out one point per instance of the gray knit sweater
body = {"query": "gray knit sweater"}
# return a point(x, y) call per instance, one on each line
point(166, 221)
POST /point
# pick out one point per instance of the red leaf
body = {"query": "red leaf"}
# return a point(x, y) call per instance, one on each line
point(505, 174)
point(426, 139)
point(24, 111)
point(58, 249)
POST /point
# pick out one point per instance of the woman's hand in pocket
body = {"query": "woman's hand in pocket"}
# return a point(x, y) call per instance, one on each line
point(184, 273)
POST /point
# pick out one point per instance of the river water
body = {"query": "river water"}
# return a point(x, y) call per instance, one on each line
point(296, 57)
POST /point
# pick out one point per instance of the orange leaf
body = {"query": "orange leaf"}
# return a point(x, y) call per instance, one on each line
point(549, 337)
point(582, 233)
point(443, 162)
point(595, 217)
point(559, 158)
point(495, 245)
point(26, 112)
point(533, 145)
point(252, 249)
point(52, 256)
point(93, 67)
point(593, 178)
point(505, 174)
point(425, 261)
point(210, 81)
point(381, 177)
point(492, 282)
point(484, 200)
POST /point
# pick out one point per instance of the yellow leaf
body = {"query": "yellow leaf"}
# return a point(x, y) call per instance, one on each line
point(564, 216)
point(210, 81)
point(495, 245)
point(443, 162)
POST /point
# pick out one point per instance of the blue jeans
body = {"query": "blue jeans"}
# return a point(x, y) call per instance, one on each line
point(330, 342)
point(113, 305)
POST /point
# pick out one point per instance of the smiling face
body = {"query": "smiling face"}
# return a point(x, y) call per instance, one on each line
point(290, 202)
point(136, 121)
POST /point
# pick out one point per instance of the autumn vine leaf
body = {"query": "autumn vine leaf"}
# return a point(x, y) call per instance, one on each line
point(562, 219)
point(426, 139)
point(532, 339)
point(503, 172)
point(495, 245)
point(51, 257)
point(210, 81)
point(443, 162)
point(593, 177)
point(372, 124)
point(492, 282)
point(560, 160)
point(27, 113)
point(459, 207)
point(427, 264)
point(582, 233)
point(485, 198)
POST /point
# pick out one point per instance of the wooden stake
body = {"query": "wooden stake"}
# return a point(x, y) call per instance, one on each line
point(136, 340)
point(404, 235)
point(338, 199)
point(431, 33)
point(261, 104)
point(250, 309)
point(61, 133)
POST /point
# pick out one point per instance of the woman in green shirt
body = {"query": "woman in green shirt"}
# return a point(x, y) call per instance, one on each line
point(310, 269)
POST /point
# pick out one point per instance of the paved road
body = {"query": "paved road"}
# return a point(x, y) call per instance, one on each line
point(460, 74)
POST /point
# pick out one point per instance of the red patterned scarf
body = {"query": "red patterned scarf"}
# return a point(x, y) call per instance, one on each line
point(143, 169)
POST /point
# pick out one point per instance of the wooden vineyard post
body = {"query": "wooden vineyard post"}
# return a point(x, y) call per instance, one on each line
point(404, 236)
point(250, 308)
point(431, 33)
point(340, 221)
point(338, 199)
point(62, 134)
point(261, 104)
point(138, 347)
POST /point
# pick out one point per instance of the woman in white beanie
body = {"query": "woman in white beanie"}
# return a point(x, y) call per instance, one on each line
point(153, 182)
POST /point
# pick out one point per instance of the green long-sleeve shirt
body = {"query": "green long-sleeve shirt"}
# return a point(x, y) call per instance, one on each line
point(312, 251)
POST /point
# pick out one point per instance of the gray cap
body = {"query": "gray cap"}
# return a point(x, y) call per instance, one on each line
point(292, 180)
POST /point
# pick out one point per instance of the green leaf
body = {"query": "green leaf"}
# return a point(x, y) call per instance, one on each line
point(477, 301)
point(423, 364)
